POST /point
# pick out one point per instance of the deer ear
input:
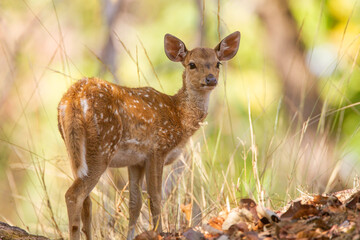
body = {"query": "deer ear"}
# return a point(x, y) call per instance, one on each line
point(228, 47)
point(174, 48)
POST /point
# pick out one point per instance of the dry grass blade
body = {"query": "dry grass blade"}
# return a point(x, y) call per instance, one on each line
point(99, 59)
point(131, 57)
point(151, 64)
point(137, 65)
point(40, 172)
point(254, 154)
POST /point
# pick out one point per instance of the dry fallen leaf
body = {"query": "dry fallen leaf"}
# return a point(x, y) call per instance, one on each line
point(249, 205)
point(214, 227)
point(216, 222)
point(239, 227)
point(148, 235)
point(308, 234)
point(298, 210)
point(353, 200)
point(187, 210)
point(251, 236)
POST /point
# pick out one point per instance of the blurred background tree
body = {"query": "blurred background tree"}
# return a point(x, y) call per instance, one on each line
point(288, 102)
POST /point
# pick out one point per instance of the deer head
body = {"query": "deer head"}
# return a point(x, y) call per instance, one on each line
point(201, 64)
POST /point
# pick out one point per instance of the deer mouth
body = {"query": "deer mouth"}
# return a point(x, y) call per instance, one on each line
point(208, 86)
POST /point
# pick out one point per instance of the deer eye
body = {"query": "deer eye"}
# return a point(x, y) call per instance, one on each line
point(218, 64)
point(192, 65)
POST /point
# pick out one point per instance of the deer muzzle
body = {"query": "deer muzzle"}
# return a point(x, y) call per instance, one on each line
point(211, 80)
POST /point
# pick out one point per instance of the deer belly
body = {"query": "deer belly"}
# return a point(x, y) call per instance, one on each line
point(128, 157)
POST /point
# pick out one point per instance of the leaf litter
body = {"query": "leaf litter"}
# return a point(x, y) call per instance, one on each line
point(328, 216)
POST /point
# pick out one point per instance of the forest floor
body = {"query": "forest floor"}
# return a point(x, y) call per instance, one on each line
point(330, 216)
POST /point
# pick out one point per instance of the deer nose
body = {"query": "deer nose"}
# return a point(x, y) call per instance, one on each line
point(210, 80)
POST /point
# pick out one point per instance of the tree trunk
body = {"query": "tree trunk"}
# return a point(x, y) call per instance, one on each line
point(285, 48)
point(111, 12)
point(301, 97)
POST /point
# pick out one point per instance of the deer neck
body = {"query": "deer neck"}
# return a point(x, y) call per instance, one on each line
point(192, 107)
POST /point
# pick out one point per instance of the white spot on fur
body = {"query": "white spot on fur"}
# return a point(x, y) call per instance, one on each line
point(132, 141)
point(84, 105)
point(62, 109)
point(96, 124)
point(83, 169)
point(146, 95)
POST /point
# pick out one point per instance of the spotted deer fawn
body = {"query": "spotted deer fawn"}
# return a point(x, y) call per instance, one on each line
point(105, 125)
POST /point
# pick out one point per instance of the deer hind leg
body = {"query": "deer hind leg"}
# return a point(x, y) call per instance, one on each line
point(74, 204)
point(136, 174)
point(79, 204)
point(86, 217)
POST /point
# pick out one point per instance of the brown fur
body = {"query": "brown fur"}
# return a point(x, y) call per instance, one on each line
point(105, 125)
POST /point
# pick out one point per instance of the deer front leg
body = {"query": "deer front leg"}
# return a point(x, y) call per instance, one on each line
point(136, 174)
point(154, 170)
